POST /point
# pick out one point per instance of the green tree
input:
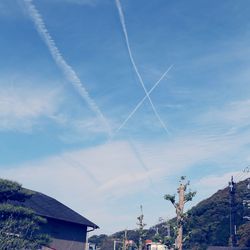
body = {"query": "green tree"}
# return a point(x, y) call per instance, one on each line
point(244, 235)
point(19, 226)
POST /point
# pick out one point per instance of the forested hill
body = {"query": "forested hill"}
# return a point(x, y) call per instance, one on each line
point(207, 223)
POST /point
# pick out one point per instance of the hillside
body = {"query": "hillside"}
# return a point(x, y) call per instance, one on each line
point(207, 223)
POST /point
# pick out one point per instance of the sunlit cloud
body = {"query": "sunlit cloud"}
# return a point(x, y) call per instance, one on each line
point(20, 108)
point(112, 171)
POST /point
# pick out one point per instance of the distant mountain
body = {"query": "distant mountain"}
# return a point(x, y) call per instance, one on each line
point(207, 223)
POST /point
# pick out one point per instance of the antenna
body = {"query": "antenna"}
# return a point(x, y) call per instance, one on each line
point(232, 190)
point(141, 210)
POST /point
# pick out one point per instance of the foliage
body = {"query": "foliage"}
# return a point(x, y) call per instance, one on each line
point(244, 235)
point(98, 239)
point(189, 196)
point(10, 190)
point(170, 198)
point(206, 224)
point(208, 221)
point(19, 226)
point(107, 244)
point(157, 237)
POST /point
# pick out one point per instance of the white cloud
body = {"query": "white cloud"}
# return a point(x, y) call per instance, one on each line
point(99, 168)
point(21, 107)
point(85, 179)
point(173, 106)
point(235, 113)
point(212, 183)
point(92, 125)
point(102, 175)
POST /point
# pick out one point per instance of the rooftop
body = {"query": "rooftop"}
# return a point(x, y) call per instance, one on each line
point(49, 207)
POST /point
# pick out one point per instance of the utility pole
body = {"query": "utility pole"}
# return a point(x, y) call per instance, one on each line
point(168, 230)
point(119, 242)
point(141, 225)
point(232, 191)
point(125, 240)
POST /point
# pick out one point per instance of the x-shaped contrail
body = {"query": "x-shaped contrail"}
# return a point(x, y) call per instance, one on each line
point(141, 102)
point(122, 20)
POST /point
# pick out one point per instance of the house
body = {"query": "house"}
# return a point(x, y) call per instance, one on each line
point(67, 228)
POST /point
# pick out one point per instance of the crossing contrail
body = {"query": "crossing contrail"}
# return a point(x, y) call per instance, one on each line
point(122, 20)
point(62, 64)
point(141, 161)
point(143, 99)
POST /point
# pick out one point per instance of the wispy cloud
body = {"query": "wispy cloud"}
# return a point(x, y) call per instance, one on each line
point(62, 64)
point(80, 129)
point(232, 117)
point(112, 171)
point(211, 183)
point(236, 113)
point(80, 2)
point(20, 108)
point(173, 106)
point(108, 171)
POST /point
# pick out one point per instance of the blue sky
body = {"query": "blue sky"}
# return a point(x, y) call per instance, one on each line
point(68, 83)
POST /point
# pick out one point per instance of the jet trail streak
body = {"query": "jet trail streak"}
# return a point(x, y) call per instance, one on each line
point(62, 64)
point(122, 20)
point(141, 102)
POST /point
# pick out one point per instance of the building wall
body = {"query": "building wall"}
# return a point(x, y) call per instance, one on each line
point(65, 235)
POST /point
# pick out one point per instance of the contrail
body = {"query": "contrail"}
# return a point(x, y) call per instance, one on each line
point(141, 161)
point(137, 154)
point(122, 20)
point(62, 64)
point(141, 102)
point(74, 163)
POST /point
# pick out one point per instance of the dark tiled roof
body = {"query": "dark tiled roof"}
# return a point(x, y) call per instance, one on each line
point(51, 208)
